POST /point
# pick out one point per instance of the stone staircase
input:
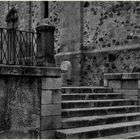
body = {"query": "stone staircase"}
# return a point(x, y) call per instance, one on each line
point(97, 112)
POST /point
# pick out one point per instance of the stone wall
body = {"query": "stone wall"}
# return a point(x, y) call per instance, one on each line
point(30, 104)
point(75, 60)
point(29, 13)
point(85, 27)
point(3, 13)
point(67, 22)
point(95, 64)
point(111, 32)
point(108, 24)
point(20, 115)
point(104, 26)
point(70, 37)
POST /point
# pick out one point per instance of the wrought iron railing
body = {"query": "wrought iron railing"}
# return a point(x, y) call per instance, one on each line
point(18, 47)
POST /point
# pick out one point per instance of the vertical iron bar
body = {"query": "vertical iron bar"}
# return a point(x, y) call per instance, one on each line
point(8, 45)
point(32, 48)
point(14, 52)
point(1, 46)
point(26, 50)
point(17, 47)
point(11, 44)
point(20, 45)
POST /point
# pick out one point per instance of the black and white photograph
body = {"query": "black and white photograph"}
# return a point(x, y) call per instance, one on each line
point(69, 69)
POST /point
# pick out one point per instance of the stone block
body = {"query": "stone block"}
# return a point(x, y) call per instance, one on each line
point(51, 83)
point(64, 79)
point(139, 93)
point(138, 101)
point(49, 134)
point(52, 109)
point(46, 123)
point(134, 98)
point(138, 84)
point(56, 121)
point(113, 76)
point(56, 96)
point(130, 76)
point(105, 82)
point(116, 90)
point(130, 94)
point(129, 84)
point(46, 97)
point(50, 122)
point(115, 84)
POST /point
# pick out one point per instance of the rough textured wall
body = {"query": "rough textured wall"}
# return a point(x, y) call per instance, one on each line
point(21, 107)
point(67, 23)
point(29, 13)
point(108, 24)
point(96, 64)
point(3, 12)
point(36, 13)
point(66, 17)
point(105, 25)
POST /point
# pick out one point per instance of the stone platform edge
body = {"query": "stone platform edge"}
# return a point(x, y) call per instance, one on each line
point(19, 70)
point(128, 84)
point(116, 76)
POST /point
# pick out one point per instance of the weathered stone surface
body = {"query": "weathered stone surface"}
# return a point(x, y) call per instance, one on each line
point(131, 76)
point(48, 134)
point(21, 106)
point(129, 84)
point(56, 121)
point(20, 102)
point(114, 76)
point(115, 84)
point(30, 71)
point(50, 122)
point(46, 97)
point(51, 83)
point(46, 123)
point(92, 26)
point(56, 96)
point(130, 94)
point(138, 93)
point(48, 110)
point(138, 84)
point(75, 60)
point(106, 24)
point(127, 62)
point(105, 82)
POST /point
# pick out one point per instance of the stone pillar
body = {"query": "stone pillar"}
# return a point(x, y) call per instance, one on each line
point(50, 107)
point(45, 47)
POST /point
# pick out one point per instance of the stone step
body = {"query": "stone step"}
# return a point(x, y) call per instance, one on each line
point(98, 120)
point(78, 112)
point(86, 89)
point(131, 135)
point(99, 130)
point(95, 103)
point(89, 96)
